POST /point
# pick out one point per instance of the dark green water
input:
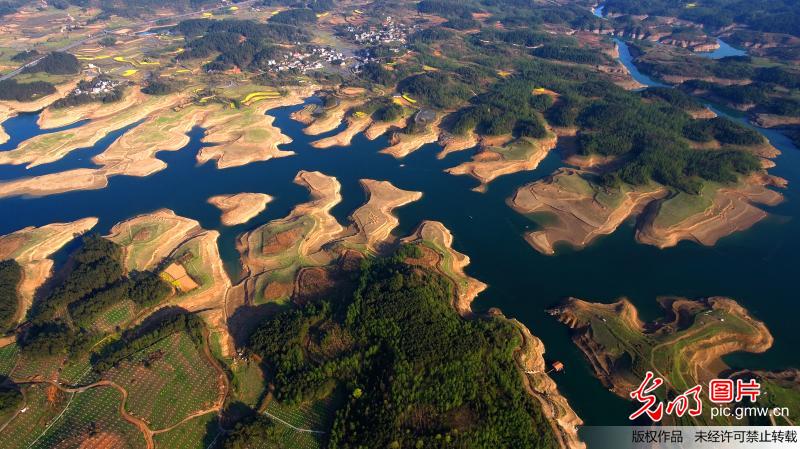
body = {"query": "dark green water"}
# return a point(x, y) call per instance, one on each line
point(756, 266)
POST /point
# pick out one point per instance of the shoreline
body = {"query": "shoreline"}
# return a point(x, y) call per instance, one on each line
point(239, 208)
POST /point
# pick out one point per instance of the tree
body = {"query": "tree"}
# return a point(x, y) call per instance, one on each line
point(10, 277)
point(259, 432)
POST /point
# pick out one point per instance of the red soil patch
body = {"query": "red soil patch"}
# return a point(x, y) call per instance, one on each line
point(53, 394)
point(314, 282)
point(277, 290)
point(9, 245)
point(141, 235)
point(103, 440)
point(281, 241)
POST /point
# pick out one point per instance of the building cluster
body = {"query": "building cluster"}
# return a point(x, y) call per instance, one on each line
point(389, 31)
point(312, 58)
point(98, 86)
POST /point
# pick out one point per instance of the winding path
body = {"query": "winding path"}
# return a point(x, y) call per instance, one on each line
point(140, 424)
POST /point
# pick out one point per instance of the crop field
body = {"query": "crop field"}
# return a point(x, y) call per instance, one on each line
point(196, 433)
point(8, 358)
point(29, 367)
point(198, 274)
point(39, 411)
point(92, 419)
point(77, 372)
point(167, 381)
point(117, 315)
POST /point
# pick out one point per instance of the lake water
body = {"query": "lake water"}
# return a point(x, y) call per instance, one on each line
point(723, 51)
point(757, 267)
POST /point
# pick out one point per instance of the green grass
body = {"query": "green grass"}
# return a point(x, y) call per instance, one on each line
point(77, 372)
point(28, 367)
point(683, 205)
point(775, 395)
point(116, 315)
point(195, 267)
point(248, 382)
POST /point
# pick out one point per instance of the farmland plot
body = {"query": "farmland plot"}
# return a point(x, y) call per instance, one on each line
point(195, 433)
point(167, 382)
point(92, 419)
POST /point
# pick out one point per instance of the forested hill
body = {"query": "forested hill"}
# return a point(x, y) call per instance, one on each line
point(413, 372)
point(774, 16)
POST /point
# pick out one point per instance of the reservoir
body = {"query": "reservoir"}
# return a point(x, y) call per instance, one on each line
point(757, 267)
point(725, 50)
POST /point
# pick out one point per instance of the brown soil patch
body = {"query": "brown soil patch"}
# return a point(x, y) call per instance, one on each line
point(53, 394)
point(314, 282)
point(102, 440)
point(9, 245)
point(281, 241)
point(277, 290)
point(178, 273)
point(142, 235)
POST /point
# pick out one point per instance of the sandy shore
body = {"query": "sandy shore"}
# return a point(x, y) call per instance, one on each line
point(79, 179)
point(342, 139)
point(451, 143)
point(772, 120)
point(201, 259)
point(52, 117)
point(579, 213)
point(5, 114)
point(404, 144)
point(239, 208)
point(731, 209)
point(245, 136)
point(491, 162)
point(239, 135)
point(530, 361)
point(273, 253)
point(374, 221)
point(377, 129)
point(329, 120)
point(149, 238)
point(46, 148)
point(436, 242)
point(277, 255)
point(9, 108)
point(31, 247)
